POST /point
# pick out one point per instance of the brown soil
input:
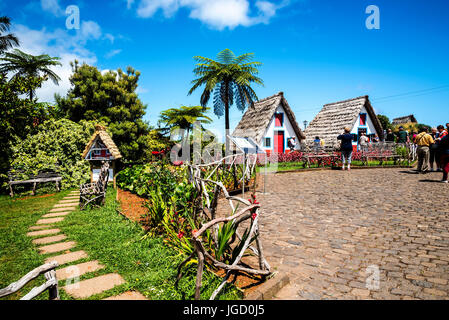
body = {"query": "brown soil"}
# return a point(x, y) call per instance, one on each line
point(131, 205)
point(34, 197)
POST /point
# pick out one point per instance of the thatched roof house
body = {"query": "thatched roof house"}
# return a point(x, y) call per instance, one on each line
point(357, 114)
point(101, 141)
point(403, 120)
point(100, 148)
point(265, 123)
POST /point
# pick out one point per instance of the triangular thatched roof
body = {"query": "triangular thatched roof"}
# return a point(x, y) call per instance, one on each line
point(402, 120)
point(334, 117)
point(101, 133)
point(256, 119)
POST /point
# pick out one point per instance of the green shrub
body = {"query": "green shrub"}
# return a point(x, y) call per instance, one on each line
point(57, 146)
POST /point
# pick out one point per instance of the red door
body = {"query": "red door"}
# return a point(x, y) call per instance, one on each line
point(279, 142)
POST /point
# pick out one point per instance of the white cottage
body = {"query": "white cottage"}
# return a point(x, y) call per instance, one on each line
point(357, 114)
point(270, 122)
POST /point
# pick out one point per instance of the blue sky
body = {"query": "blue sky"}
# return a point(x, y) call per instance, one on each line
point(316, 52)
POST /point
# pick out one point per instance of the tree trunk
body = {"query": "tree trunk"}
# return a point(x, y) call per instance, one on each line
point(226, 102)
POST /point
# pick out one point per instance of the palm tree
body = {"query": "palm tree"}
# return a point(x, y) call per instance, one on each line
point(230, 77)
point(184, 118)
point(6, 40)
point(27, 65)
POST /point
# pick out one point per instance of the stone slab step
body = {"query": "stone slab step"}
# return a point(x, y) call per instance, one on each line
point(47, 240)
point(87, 288)
point(56, 214)
point(78, 270)
point(43, 232)
point(51, 220)
point(66, 205)
point(63, 209)
point(40, 227)
point(61, 246)
point(129, 295)
point(74, 201)
point(68, 257)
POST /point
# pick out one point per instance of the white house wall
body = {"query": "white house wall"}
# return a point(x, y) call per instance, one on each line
point(370, 129)
point(287, 128)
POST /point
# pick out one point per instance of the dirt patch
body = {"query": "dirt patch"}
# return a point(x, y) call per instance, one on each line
point(131, 205)
point(35, 197)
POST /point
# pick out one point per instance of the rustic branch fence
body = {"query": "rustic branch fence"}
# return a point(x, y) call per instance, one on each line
point(51, 284)
point(207, 179)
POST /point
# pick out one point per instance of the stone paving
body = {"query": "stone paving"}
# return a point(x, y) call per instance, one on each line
point(52, 241)
point(331, 231)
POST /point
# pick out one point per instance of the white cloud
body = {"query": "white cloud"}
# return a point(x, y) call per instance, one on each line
point(57, 43)
point(52, 6)
point(113, 53)
point(90, 30)
point(218, 14)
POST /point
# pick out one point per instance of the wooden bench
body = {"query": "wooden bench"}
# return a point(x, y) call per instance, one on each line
point(95, 193)
point(41, 177)
point(51, 284)
point(319, 157)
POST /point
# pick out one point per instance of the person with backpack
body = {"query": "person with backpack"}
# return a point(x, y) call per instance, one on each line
point(346, 147)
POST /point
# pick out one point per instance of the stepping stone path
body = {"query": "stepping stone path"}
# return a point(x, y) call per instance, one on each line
point(52, 241)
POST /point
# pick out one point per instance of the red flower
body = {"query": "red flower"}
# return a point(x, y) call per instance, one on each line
point(178, 163)
point(155, 153)
point(180, 235)
point(254, 216)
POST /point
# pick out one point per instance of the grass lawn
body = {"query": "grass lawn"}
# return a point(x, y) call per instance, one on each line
point(18, 255)
point(146, 264)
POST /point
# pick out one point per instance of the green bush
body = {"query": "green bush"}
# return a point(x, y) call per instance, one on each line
point(57, 146)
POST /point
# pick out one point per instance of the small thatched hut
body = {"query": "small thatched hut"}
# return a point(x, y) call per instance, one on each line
point(403, 120)
point(270, 122)
point(356, 114)
point(100, 148)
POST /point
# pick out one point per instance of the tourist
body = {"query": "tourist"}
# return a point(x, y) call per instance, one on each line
point(376, 138)
point(433, 151)
point(390, 136)
point(291, 143)
point(424, 140)
point(317, 144)
point(441, 133)
point(443, 150)
point(363, 142)
point(403, 136)
point(346, 148)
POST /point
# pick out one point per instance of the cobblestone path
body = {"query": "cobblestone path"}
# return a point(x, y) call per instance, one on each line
point(332, 230)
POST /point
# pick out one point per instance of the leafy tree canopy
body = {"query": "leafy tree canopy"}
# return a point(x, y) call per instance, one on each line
point(110, 98)
point(19, 116)
point(22, 64)
point(385, 121)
